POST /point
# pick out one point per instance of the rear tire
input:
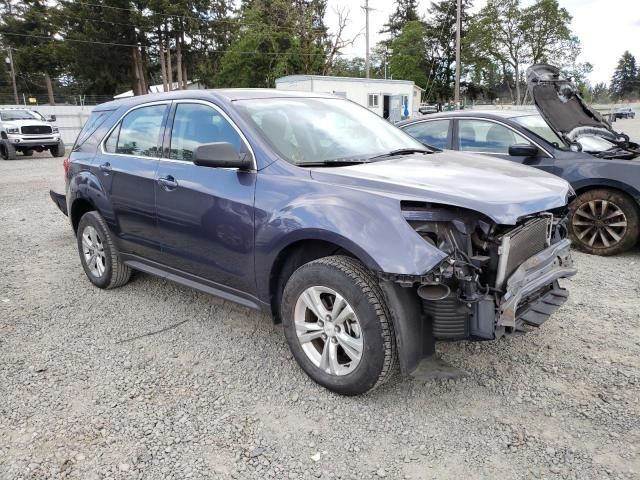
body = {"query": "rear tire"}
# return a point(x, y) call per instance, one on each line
point(98, 254)
point(27, 153)
point(604, 222)
point(7, 150)
point(58, 150)
point(349, 351)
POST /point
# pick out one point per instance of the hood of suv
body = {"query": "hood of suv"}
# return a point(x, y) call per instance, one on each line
point(558, 101)
point(502, 190)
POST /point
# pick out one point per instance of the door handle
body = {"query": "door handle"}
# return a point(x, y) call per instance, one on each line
point(168, 182)
point(106, 167)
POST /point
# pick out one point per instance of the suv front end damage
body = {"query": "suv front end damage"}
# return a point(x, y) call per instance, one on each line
point(496, 280)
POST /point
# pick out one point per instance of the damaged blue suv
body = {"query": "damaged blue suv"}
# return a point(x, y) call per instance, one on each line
point(366, 245)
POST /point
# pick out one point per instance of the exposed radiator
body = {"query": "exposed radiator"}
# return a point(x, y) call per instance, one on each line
point(522, 242)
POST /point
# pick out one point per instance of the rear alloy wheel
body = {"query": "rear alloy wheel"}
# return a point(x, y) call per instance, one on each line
point(604, 222)
point(338, 326)
point(98, 255)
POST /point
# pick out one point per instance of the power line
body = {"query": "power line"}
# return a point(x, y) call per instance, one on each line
point(44, 37)
point(191, 17)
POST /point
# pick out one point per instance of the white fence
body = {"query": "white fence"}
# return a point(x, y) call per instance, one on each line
point(69, 118)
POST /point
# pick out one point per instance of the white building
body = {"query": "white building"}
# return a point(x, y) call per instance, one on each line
point(392, 99)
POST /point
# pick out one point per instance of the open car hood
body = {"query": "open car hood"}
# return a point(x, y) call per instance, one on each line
point(558, 101)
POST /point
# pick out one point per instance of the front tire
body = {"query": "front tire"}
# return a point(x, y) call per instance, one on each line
point(7, 150)
point(603, 222)
point(338, 326)
point(58, 150)
point(98, 255)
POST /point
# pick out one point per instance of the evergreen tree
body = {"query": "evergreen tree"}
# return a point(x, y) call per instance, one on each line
point(409, 60)
point(406, 11)
point(27, 28)
point(283, 38)
point(624, 83)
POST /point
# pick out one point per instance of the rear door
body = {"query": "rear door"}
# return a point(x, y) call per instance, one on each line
point(126, 166)
point(205, 215)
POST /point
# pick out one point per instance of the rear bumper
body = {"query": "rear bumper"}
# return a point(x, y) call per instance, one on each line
point(60, 200)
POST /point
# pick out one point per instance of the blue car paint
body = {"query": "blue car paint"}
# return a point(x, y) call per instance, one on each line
point(223, 230)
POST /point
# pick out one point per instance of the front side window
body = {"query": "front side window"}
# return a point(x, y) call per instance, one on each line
point(322, 130)
point(432, 133)
point(373, 100)
point(195, 124)
point(487, 137)
point(138, 132)
point(536, 124)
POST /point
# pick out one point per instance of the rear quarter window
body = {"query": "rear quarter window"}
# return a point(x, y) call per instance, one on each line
point(91, 125)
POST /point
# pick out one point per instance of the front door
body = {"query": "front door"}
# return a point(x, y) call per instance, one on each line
point(127, 171)
point(205, 215)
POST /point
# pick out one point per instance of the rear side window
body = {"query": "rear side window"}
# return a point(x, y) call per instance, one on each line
point(91, 125)
point(138, 133)
point(432, 133)
point(195, 124)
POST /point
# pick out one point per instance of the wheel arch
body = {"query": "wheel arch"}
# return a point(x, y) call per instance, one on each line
point(609, 184)
point(79, 207)
point(301, 251)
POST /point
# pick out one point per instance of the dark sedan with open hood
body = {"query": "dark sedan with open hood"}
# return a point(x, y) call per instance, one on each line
point(566, 138)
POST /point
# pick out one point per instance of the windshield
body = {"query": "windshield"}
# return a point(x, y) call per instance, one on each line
point(10, 115)
point(536, 124)
point(324, 130)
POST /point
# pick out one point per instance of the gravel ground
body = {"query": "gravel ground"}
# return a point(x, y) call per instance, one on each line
point(157, 381)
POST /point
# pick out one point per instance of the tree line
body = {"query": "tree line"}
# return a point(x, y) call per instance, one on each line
point(104, 47)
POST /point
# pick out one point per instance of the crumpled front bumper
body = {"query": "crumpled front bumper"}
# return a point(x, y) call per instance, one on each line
point(528, 297)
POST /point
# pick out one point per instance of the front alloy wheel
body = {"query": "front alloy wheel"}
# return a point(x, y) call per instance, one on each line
point(338, 326)
point(604, 222)
point(328, 330)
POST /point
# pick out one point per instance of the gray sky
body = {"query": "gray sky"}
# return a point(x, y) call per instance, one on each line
point(606, 28)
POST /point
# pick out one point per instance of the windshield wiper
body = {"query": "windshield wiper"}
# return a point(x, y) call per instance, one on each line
point(338, 162)
point(401, 151)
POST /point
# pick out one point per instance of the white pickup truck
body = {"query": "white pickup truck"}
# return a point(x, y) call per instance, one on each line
point(23, 130)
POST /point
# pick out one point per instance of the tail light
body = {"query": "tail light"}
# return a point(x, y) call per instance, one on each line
point(65, 164)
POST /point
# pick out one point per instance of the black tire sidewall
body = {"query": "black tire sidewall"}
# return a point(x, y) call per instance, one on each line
point(58, 150)
point(91, 219)
point(7, 151)
point(625, 203)
point(368, 371)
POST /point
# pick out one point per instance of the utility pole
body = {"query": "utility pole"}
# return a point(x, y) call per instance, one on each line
point(366, 57)
point(456, 98)
point(13, 77)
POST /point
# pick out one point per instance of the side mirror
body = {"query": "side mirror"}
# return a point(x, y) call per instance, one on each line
point(523, 150)
point(51, 118)
point(220, 155)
